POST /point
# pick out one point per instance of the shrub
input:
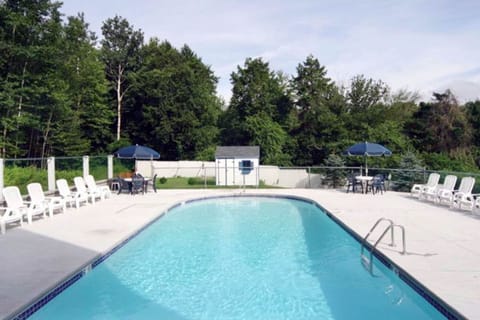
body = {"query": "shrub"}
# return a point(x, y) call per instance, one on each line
point(194, 181)
point(410, 166)
point(334, 177)
point(163, 180)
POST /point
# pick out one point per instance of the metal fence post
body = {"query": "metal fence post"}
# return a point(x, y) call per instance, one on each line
point(86, 168)
point(51, 173)
point(110, 166)
point(309, 182)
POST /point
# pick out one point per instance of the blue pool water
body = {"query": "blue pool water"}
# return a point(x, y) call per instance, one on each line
point(239, 258)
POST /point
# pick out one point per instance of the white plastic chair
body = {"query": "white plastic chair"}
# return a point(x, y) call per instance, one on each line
point(432, 182)
point(69, 196)
point(38, 199)
point(9, 215)
point(82, 188)
point(463, 197)
point(94, 188)
point(15, 202)
point(441, 192)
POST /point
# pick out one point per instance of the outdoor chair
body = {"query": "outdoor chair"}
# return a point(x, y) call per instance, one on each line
point(476, 204)
point(114, 184)
point(15, 203)
point(69, 196)
point(124, 185)
point(138, 184)
point(10, 215)
point(432, 182)
point(451, 198)
point(38, 199)
point(441, 192)
point(463, 197)
point(94, 188)
point(82, 188)
point(154, 184)
point(377, 184)
point(353, 183)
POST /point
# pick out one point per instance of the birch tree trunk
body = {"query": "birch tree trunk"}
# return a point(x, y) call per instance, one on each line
point(120, 95)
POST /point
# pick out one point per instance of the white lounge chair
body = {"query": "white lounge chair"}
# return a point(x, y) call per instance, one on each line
point(432, 182)
point(94, 188)
point(444, 191)
point(15, 202)
point(82, 188)
point(476, 205)
point(69, 196)
point(38, 199)
point(463, 197)
point(9, 215)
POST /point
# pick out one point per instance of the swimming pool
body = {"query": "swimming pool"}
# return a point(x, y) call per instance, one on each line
point(239, 258)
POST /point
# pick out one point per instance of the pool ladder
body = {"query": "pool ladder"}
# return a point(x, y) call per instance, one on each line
point(367, 261)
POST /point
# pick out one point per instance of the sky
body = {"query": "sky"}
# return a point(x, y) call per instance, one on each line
point(422, 46)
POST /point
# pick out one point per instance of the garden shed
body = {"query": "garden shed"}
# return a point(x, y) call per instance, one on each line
point(237, 165)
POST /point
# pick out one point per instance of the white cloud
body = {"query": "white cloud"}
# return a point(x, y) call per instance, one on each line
point(419, 45)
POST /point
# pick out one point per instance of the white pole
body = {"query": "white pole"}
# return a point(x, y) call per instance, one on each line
point(366, 167)
point(110, 166)
point(86, 169)
point(51, 173)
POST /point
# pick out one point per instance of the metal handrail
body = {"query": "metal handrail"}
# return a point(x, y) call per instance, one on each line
point(391, 227)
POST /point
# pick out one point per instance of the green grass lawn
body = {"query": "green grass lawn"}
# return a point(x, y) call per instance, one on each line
point(197, 183)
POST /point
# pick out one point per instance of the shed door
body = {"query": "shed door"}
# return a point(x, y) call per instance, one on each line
point(226, 172)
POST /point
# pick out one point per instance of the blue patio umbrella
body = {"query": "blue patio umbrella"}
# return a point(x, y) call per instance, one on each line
point(137, 152)
point(367, 149)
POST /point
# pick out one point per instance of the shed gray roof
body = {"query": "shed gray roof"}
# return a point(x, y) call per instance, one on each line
point(238, 152)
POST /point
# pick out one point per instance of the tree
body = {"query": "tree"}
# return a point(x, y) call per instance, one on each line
point(365, 93)
point(440, 126)
point(86, 116)
point(31, 88)
point(271, 138)
point(257, 92)
point(319, 125)
point(120, 52)
point(410, 165)
point(176, 109)
point(472, 110)
point(334, 177)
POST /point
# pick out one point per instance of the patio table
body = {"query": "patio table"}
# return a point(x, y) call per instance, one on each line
point(364, 180)
point(146, 180)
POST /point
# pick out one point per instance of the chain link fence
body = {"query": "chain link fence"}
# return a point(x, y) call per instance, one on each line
point(199, 174)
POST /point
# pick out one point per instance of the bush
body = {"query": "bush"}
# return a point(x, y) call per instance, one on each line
point(20, 177)
point(410, 166)
point(163, 180)
point(194, 181)
point(334, 177)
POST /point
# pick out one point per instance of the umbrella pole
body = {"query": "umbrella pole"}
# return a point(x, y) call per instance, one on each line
point(151, 166)
point(366, 167)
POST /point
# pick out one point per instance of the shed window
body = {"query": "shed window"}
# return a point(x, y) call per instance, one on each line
point(246, 166)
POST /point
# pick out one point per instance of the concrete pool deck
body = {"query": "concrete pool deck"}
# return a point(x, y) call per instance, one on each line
point(443, 251)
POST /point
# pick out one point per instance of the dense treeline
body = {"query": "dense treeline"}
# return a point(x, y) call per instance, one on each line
point(65, 93)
